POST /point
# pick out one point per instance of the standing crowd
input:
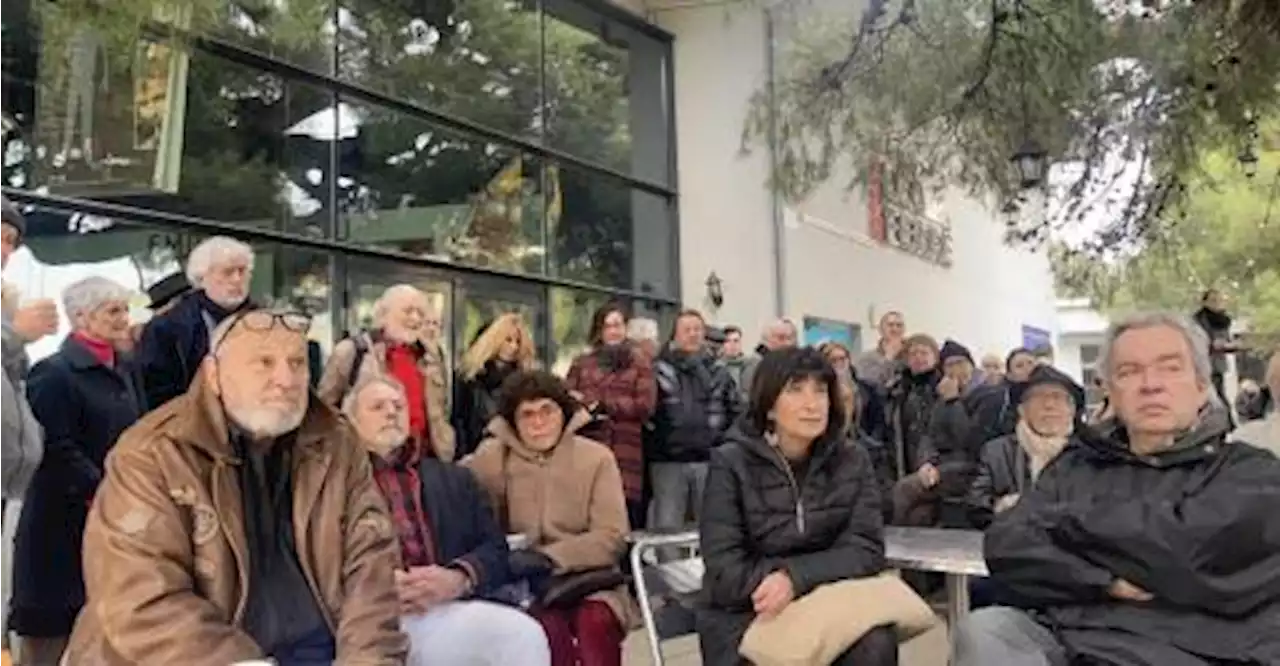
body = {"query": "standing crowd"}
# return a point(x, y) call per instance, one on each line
point(204, 489)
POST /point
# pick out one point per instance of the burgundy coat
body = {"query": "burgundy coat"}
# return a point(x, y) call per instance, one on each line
point(628, 397)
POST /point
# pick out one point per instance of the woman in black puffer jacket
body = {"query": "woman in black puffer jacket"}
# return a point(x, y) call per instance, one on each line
point(789, 505)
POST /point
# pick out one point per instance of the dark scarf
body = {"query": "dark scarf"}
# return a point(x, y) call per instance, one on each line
point(613, 358)
point(1219, 321)
point(495, 372)
point(930, 377)
point(217, 312)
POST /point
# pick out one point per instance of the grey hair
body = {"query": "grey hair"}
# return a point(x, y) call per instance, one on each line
point(380, 305)
point(777, 325)
point(1192, 333)
point(642, 329)
point(215, 251)
point(92, 293)
point(353, 396)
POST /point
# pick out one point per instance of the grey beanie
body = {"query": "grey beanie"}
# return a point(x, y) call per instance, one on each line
point(10, 215)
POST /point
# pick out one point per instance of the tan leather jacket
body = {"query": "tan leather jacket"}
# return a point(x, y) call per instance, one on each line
point(336, 380)
point(165, 569)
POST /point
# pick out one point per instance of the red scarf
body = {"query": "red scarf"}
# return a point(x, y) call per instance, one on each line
point(101, 349)
point(402, 363)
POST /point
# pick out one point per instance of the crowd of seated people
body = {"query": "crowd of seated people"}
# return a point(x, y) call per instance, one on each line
point(403, 513)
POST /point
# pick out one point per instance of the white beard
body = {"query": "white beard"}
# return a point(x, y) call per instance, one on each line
point(267, 422)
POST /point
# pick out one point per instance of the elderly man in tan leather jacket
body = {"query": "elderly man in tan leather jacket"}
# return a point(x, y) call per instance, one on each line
point(241, 521)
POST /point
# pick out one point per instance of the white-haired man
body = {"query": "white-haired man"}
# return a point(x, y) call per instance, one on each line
point(1152, 542)
point(453, 550)
point(779, 334)
point(398, 346)
point(241, 521)
point(85, 394)
point(219, 270)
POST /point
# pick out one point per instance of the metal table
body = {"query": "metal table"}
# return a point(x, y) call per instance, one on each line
point(955, 553)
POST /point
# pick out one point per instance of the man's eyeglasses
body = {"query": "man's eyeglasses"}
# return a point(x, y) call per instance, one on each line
point(262, 321)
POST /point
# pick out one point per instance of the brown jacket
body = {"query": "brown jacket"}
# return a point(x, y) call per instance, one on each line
point(336, 380)
point(568, 501)
point(166, 572)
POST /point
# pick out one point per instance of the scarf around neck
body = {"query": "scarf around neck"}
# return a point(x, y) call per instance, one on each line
point(1040, 450)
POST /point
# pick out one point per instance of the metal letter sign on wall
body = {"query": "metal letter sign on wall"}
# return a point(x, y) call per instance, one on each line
point(924, 238)
point(892, 224)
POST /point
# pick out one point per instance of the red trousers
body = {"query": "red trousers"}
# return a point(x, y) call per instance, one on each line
point(588, 635)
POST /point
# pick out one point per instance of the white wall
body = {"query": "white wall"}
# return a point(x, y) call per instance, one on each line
point(832, 268)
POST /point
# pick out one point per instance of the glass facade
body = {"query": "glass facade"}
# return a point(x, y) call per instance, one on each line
point(504, 155)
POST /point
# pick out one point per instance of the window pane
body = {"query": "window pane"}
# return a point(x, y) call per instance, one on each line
point(571, 313)
point(474, 59)
point(177, 131)
point(481, 300)
point(606, 92)
point(300, 33)
point(407, 184)
point(367, 279)
point(1089, 354)
point(605, 233)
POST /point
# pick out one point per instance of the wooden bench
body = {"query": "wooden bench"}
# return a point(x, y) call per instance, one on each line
point(957, 554)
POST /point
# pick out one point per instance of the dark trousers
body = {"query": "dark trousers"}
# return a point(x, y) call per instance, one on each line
point(1220, 387)
point(878, 647)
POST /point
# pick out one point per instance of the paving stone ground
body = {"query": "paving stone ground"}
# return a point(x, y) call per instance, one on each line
point(929, 649)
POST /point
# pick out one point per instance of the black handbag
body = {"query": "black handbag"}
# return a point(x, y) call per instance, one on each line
point(569, 589)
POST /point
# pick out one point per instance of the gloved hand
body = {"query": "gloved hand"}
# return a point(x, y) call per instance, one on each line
point(529, 563)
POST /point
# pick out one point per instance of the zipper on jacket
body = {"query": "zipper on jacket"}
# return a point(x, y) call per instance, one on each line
point(795, 487)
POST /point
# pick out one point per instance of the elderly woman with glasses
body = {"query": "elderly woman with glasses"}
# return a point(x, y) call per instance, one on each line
point(85, 395)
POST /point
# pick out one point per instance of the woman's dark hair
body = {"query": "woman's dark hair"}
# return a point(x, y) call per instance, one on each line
point(781, 367)
point(1015, 353)
point(602, 313)
point(529, 385)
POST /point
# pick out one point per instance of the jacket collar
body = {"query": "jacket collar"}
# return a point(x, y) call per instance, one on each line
point(755, 442)
point(77, 356)
point(505, 433)
point(203, 424)
point(1110, 440)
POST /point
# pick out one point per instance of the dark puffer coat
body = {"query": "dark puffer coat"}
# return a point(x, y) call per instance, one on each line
point(1197, 526)
point(758, 517)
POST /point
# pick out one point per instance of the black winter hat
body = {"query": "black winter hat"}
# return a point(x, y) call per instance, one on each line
point(13, 217)
point(1049, 375)
point(167, 289)
point(953, 349)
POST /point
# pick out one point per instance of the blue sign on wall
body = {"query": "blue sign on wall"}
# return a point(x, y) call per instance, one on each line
point(1036, 339)
point(818, 330)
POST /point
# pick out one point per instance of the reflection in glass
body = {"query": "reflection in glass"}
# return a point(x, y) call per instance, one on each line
point(410, 185)
point(571, 312)
point(474, 59)
point(481, 301)
point(182, 132)
point(62, 248)
point(588, 111)
point(299, 32)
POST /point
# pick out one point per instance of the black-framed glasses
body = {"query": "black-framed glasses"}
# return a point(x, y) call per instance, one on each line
point(261, 321)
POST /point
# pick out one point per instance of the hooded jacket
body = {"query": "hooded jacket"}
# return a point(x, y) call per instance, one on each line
point(1195, 525)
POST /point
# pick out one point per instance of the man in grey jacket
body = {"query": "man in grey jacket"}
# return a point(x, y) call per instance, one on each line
point(23, 439)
